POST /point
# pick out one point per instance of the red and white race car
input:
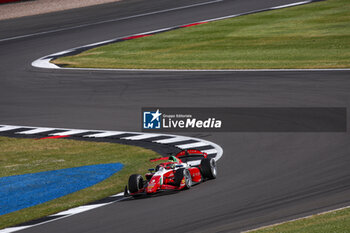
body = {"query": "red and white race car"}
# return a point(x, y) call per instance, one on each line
point(179, 172)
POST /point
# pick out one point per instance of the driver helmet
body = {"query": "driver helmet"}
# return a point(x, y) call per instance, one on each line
point(159, 168)
point(173, 159)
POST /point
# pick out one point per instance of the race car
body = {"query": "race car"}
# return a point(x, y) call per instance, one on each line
point(179, 172)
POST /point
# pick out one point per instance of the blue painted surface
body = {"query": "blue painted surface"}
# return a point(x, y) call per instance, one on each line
point(22, 191)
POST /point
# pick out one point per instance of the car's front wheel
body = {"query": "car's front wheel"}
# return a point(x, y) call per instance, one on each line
point(135, 183)
point(182, 174)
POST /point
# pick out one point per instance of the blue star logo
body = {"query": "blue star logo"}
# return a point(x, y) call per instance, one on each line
point(152, 120)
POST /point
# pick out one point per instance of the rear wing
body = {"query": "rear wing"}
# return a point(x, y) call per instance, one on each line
point(186, 155)
point(191, 153)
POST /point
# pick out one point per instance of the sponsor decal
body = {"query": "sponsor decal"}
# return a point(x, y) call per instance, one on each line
point(196, 174)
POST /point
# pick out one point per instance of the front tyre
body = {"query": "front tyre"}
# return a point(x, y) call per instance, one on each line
point(208, 168)
point(183, 174)
point(135, 183)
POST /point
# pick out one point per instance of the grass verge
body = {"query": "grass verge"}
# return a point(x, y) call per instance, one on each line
point(21, 156)
point(316, 35)
point(336, 221)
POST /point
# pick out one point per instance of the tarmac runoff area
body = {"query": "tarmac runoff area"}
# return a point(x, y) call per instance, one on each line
point(36, 7)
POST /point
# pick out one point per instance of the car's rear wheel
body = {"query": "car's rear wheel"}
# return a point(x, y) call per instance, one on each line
point(135, 183)
point(208, 168)
point(180, 174)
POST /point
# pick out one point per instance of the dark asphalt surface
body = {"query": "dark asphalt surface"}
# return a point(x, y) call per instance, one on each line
point(263, 177)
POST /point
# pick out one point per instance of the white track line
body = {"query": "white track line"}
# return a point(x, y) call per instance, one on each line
point(37, 130)
point(79, 209)
point(36, 62)
point(100, 134)
point(104, 134)
point(73, 211)
point(70, 132)
point(211, 151)
point(118, 195)
point(44, 62)
point(293, 220)
point(13, 229)
point(8, 128)
point(172, 140)
point(142, 136)
point(290, 5)
point(192, 145)
point(109, 21)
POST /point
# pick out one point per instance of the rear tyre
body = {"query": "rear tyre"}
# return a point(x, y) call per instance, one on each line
point(135, 183)
point(208, 168)
point(180, 174)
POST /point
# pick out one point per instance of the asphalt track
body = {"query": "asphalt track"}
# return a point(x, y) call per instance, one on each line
point(263, 177)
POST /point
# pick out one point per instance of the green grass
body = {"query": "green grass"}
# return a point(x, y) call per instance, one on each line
point(333, 222)
point(21, 156)
point(311, 36)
